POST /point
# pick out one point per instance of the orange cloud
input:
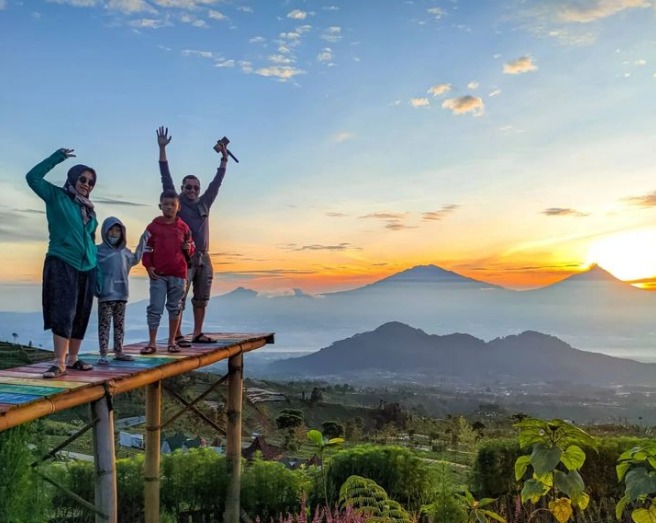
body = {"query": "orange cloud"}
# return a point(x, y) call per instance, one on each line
point(465, 104)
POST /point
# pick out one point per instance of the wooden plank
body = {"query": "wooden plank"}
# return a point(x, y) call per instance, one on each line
point(39, 382)
point(17, 399)
point(80, 377)
point(33, 390)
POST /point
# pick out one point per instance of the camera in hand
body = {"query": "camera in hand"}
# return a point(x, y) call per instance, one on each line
point(224, 141)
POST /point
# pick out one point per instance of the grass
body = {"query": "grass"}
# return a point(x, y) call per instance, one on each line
point(16, 355)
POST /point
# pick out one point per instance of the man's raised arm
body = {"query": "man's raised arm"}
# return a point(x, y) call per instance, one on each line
point(212, 191)
point(163, 139)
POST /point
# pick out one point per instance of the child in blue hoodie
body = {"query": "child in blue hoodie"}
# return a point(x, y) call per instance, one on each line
point(114, 263)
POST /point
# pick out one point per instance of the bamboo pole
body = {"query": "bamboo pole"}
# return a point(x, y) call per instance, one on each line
point(69, 493)
point(105, 460)
point(233, 444)
point(151, 465)
point(189, 407)
point(73, 398)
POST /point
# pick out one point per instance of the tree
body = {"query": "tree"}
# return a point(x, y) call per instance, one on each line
point(289, 419)
point(332, 429)
point(391, 413)
point(316, 396)
point(15, 336)
point(466, 435)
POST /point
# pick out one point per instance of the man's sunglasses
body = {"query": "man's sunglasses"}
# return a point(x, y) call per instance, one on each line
point(84, 179)
point(192, 187)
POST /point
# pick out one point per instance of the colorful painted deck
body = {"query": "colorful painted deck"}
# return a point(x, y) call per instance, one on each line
point(25, 395)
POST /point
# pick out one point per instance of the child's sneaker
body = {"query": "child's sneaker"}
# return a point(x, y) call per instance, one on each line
point(103, 360)
point(121, 356)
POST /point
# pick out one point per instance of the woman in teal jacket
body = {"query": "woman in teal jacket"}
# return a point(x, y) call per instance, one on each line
point(69, 271)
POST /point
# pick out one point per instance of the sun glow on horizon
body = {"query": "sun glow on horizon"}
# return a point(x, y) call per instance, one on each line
point(628, 256)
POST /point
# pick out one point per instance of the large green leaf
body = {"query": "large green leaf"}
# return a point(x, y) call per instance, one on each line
point(531, 431)
point(544, 458)
point(639, 482)
point(546, 479)
point(622, 468)
point(533, 490)
point(521, 465)
point(493, 515)
point(335, 441)
point(485, 502)
point(567, 434)
point(573, 457)
point(571, 484)
point(628, 454)
point(315, 437)
point(621, 505)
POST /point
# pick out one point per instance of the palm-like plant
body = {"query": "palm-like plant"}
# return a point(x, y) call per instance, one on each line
point(322, 444)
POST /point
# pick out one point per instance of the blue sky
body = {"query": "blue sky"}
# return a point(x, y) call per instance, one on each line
point(511, 141)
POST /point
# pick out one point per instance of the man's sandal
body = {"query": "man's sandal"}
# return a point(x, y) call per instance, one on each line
point(148, 349)
point(182, 342)
point(79, 365)
point(203, 338)
point(173, 348)
point(54, 372)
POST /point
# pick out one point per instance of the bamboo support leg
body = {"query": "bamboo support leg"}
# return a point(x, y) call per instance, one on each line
point(105, 460)
point(151, 465)
point(233, 444)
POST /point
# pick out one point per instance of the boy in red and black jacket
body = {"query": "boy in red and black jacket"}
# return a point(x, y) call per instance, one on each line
point(169, 246)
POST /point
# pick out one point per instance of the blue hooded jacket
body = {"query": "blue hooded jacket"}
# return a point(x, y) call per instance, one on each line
point(114, 264)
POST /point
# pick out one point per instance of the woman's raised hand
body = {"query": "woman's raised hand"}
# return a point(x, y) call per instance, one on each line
point(68, 152)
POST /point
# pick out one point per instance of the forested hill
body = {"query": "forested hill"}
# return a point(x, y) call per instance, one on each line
point(530, 356)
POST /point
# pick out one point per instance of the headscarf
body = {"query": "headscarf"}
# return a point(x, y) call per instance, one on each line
point(86, 206)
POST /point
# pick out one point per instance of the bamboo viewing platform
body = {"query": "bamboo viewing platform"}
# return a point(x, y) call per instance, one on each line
point(26, 396)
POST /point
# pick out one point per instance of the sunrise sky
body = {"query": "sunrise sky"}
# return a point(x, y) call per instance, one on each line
point(509, 141)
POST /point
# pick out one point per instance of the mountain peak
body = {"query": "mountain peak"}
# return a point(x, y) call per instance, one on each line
point(594, 273)
point(429, 274)
point(240, 292)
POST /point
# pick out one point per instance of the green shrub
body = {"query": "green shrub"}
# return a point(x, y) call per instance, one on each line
point(130, 487)
point(269, 489)
point(194, 481)
point(493, 473)
point(599, 468)
point(23, 497)
point(79, 477)
point(404, 476)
